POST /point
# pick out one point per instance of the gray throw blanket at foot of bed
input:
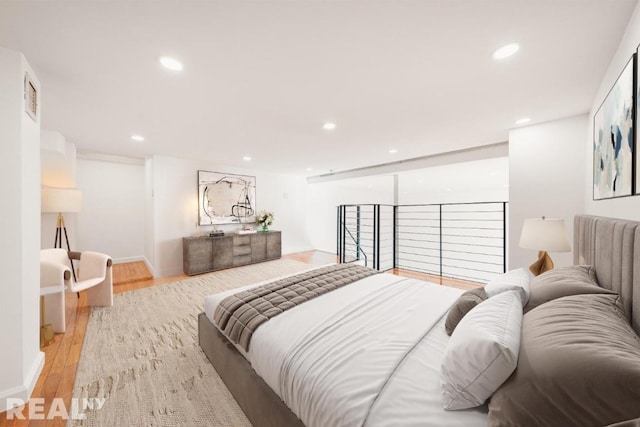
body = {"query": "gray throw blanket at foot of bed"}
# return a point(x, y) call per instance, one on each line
point(240, 314)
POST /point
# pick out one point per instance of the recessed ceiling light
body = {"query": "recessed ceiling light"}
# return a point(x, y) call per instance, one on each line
point(246, 158)
point(329, 126)
point(523, 120)
point(309, 169)
point(138, 138)
point(505, 51)
point(393, 151)
point(171, 63)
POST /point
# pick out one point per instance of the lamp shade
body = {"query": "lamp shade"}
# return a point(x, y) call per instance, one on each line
point(61, 200)
point(545, 234)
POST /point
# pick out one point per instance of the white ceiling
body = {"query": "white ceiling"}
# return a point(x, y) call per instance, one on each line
point(261, 77)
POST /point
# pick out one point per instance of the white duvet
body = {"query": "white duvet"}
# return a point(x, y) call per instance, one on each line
point(367, 354)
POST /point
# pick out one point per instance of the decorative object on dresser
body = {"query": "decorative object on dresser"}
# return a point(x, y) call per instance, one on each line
point(265, 219)
point(544, 234)
point(225, 198)
point(203, 254)
point(613, 134)
point(246, 230)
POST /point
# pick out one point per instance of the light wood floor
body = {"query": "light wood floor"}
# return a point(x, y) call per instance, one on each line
point(62, 355)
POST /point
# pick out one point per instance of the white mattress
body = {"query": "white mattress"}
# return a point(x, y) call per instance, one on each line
point(353, 357)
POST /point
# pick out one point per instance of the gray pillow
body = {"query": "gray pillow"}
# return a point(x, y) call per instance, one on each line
point(562, 282)
point(462, 306)
point(579, 365)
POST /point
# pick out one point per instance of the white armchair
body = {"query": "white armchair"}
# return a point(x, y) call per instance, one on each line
point(94, 276)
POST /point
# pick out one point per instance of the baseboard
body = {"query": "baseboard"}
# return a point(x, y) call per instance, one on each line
point(128, 259)
point(135, 259)
point(149, 266)
point(23, 392)
point(294, 250)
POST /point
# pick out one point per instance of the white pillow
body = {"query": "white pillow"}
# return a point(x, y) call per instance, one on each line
point(482, 352)
point(514, 280)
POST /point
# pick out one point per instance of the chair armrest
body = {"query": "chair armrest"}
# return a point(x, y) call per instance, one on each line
point(53, 273)
point(78, 255)
point(93, 265)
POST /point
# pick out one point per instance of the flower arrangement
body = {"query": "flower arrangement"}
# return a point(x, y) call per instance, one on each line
point(265, 219)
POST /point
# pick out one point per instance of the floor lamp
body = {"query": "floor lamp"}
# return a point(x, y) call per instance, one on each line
point(61, 200)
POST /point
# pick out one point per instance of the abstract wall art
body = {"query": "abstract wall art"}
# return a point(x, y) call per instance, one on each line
point(613, 140)
point(637, 128)
point(225, 198)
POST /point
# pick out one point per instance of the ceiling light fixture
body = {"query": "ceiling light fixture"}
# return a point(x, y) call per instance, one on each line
point(329, 126)
point(171, 63)
point(393, 151)
point(505, 51)
point(138, 138)
point(309, 169)
point(523, 120)
point(246, 158)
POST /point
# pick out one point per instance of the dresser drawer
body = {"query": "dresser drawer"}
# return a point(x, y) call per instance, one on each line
point(241, 240)
point(241, 260)
point(241, 250)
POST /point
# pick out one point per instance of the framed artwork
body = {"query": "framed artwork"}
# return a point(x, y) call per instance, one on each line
point(30, 98)
point(635, 121)
point(613, 140)
point(226, 198)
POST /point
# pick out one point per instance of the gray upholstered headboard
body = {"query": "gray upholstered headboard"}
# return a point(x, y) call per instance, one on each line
point(612, 246)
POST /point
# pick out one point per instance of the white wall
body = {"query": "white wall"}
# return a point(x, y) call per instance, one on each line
point(484, 180)
point(480, 180)
point(58, 160)
point(57, 169)
point(622, 207)
point(149, 216)
point(175, 207)
point(20, 360)
point(546, 177)
point(324, 197)
point(112, 220)
point(449, 158)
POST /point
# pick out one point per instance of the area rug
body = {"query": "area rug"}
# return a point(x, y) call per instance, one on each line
point(142, 355)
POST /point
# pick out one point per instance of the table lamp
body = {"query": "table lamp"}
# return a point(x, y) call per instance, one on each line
point(544, 234)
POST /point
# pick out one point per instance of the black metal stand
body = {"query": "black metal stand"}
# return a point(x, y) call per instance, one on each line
point(60, 227)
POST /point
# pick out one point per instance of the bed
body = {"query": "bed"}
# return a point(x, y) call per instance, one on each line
point(351, 357)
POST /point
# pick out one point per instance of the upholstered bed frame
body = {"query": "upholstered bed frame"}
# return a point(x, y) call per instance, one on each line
point(611, 245)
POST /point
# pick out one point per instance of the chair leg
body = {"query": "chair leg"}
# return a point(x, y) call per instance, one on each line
point(101, 295)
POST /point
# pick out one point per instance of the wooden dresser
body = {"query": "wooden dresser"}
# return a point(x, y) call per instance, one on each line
point(204, 254)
